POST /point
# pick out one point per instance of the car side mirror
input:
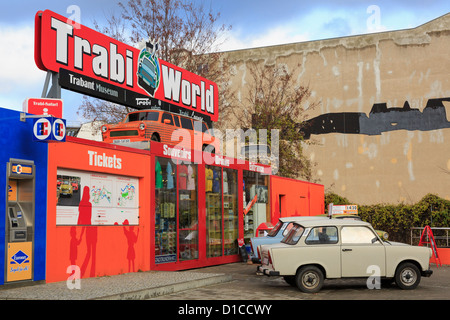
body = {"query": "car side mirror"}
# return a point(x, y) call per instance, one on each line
point(374, 240)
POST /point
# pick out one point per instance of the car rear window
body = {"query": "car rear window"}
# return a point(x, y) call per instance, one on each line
point(294, 234)
point(186, 123)
point(274, 231)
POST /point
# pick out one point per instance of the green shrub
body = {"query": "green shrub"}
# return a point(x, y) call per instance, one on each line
point(398, 219)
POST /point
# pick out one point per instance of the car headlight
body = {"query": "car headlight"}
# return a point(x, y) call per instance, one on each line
point(385, 235)
point(142, 126)
point(104, 129)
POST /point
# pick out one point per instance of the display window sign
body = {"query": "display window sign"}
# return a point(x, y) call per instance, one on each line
point(89, 198)
point(256, 167)
point(97, 65)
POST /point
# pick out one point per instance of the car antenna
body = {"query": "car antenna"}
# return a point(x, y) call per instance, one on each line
point(330, 210)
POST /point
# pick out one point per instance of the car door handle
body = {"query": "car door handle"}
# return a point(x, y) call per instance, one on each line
point(345, 250)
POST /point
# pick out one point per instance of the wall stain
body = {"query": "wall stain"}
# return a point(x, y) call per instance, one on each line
point(380, 119)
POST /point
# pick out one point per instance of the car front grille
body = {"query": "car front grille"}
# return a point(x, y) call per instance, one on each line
point(124, 133)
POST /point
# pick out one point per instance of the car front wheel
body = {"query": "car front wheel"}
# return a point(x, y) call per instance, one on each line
point(407, 276)
point(309, 279)
point(155, 138)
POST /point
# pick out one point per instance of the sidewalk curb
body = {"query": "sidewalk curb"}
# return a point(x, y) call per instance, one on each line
point(150, 293)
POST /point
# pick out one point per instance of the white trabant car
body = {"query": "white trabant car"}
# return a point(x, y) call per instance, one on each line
point(315, 250)
point(277, 234)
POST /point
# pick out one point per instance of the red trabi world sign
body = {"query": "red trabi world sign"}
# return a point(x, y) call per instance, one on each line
point(94, 64)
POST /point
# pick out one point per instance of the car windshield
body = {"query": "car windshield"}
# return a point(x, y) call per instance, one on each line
point(294, 234)
point(148, 64)
point(274, 231)
point(141, 116)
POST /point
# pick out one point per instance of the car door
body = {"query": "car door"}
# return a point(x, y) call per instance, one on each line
point(360, 254)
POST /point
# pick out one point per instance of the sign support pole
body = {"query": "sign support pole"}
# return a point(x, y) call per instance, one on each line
point(55, 89)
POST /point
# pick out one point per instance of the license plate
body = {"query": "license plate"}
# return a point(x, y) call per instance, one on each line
point(121, 140)
point(265, 261)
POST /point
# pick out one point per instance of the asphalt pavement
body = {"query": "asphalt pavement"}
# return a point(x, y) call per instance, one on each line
point(129, 286)
point(235, 281)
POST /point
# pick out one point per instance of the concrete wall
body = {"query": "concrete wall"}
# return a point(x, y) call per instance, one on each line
point(290, 197)
point(379, 135)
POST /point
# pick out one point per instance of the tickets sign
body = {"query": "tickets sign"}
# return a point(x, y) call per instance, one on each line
point(94, 64)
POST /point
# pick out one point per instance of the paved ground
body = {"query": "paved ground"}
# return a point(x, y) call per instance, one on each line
point(130, 286)
point(236, 281)
point(246, 285)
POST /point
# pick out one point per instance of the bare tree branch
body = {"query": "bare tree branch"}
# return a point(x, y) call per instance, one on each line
point(188, 34)
point(276, 101)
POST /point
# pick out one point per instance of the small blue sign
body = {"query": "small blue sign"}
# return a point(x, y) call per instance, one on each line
point(19, 258)
point(49, 129)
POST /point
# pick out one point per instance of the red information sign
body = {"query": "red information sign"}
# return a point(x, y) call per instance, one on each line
point(41, 106)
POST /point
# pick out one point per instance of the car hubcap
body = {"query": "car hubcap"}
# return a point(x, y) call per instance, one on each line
point(408, 277)
point(310, 279)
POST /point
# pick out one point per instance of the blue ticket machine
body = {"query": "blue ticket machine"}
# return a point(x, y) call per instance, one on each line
point(19, 227)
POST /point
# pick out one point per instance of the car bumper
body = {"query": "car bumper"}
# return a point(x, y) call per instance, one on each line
point(267, 272)
point(144, 145)
point(427, 273)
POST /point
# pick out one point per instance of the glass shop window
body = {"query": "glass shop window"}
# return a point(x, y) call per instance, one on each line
point(165, 210)
point(213, 188)
point(230, 211)
point(256, 196)
point(188, 211)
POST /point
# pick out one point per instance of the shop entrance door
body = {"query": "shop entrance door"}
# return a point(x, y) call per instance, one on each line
point(255, 184)
point(221, 211)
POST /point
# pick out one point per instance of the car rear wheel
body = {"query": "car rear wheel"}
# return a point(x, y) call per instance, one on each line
point(407, 276)
point(309, 279)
